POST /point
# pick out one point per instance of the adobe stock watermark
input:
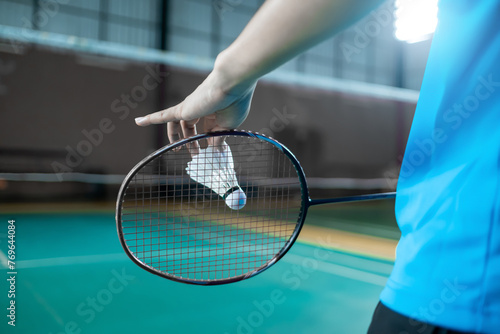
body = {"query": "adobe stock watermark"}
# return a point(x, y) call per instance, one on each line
point(366, 32)
point(223, 6)
point(278, 122)
point(292, 278)
point(46, 10)
point(449, 294)
point(122, 107)
point(452, 120)
point(88, 310)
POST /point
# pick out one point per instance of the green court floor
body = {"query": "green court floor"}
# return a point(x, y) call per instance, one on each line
point(73, 277)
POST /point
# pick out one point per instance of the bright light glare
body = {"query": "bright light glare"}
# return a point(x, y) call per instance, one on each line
point(416, 20)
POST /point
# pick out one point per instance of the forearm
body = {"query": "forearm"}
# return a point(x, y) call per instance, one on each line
point(281, 29)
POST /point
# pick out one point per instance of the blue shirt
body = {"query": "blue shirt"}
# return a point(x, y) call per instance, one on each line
point(447, 268)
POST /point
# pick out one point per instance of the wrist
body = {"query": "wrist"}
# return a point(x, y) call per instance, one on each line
point(231, 74)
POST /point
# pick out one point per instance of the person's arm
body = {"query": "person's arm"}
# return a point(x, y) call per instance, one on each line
point(279, 31)
point(282, 29)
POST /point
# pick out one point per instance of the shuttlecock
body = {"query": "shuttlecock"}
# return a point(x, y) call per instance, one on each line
point(215, 169)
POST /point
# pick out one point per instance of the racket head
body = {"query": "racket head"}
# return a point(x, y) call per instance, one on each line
point(176, 228)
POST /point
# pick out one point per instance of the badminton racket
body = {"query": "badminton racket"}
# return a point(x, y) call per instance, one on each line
point(206, 215)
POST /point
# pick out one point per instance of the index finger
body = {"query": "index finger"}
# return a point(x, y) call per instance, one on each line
point(160, 117)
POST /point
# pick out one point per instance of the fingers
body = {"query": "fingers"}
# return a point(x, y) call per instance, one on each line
point(183, 129)
point(189, 127)
point(210, 124)
point(189, 130)
point(176, 128)
point(160, 117)
point(221, 110)
point(174, 131)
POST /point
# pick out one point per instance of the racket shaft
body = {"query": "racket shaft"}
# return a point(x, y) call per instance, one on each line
point(359, 198)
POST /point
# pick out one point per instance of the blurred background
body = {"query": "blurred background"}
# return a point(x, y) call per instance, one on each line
point(74, 74)
point(344, 107)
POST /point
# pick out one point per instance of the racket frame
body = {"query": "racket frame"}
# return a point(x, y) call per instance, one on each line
point(305, 203)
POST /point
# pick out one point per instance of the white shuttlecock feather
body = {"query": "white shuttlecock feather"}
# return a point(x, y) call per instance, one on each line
point(215, 169)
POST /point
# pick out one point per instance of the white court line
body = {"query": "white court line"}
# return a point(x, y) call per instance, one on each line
point(325, 267)
point(71, 260)
point(339, 270)
point(356, 261)
point(44, 303)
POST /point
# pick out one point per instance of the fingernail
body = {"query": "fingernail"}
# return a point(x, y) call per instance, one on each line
point(140, 120)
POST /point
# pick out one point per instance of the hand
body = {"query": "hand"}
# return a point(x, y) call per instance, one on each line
point(221, 105)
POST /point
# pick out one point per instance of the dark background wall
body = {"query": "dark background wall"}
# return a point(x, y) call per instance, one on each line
point(68, 112)
point(66, 108)
point(52, 98)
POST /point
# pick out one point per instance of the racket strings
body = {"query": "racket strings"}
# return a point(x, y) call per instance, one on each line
point(180, 228)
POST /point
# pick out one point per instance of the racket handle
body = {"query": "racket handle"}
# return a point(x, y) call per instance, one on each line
point(369, 197)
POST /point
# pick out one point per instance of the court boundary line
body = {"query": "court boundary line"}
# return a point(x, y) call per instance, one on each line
point(357, 260)
point(310, 235)
point(358, 274)
point(340, 270)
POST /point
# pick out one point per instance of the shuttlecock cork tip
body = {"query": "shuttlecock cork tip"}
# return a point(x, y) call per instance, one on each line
point(237, 199)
